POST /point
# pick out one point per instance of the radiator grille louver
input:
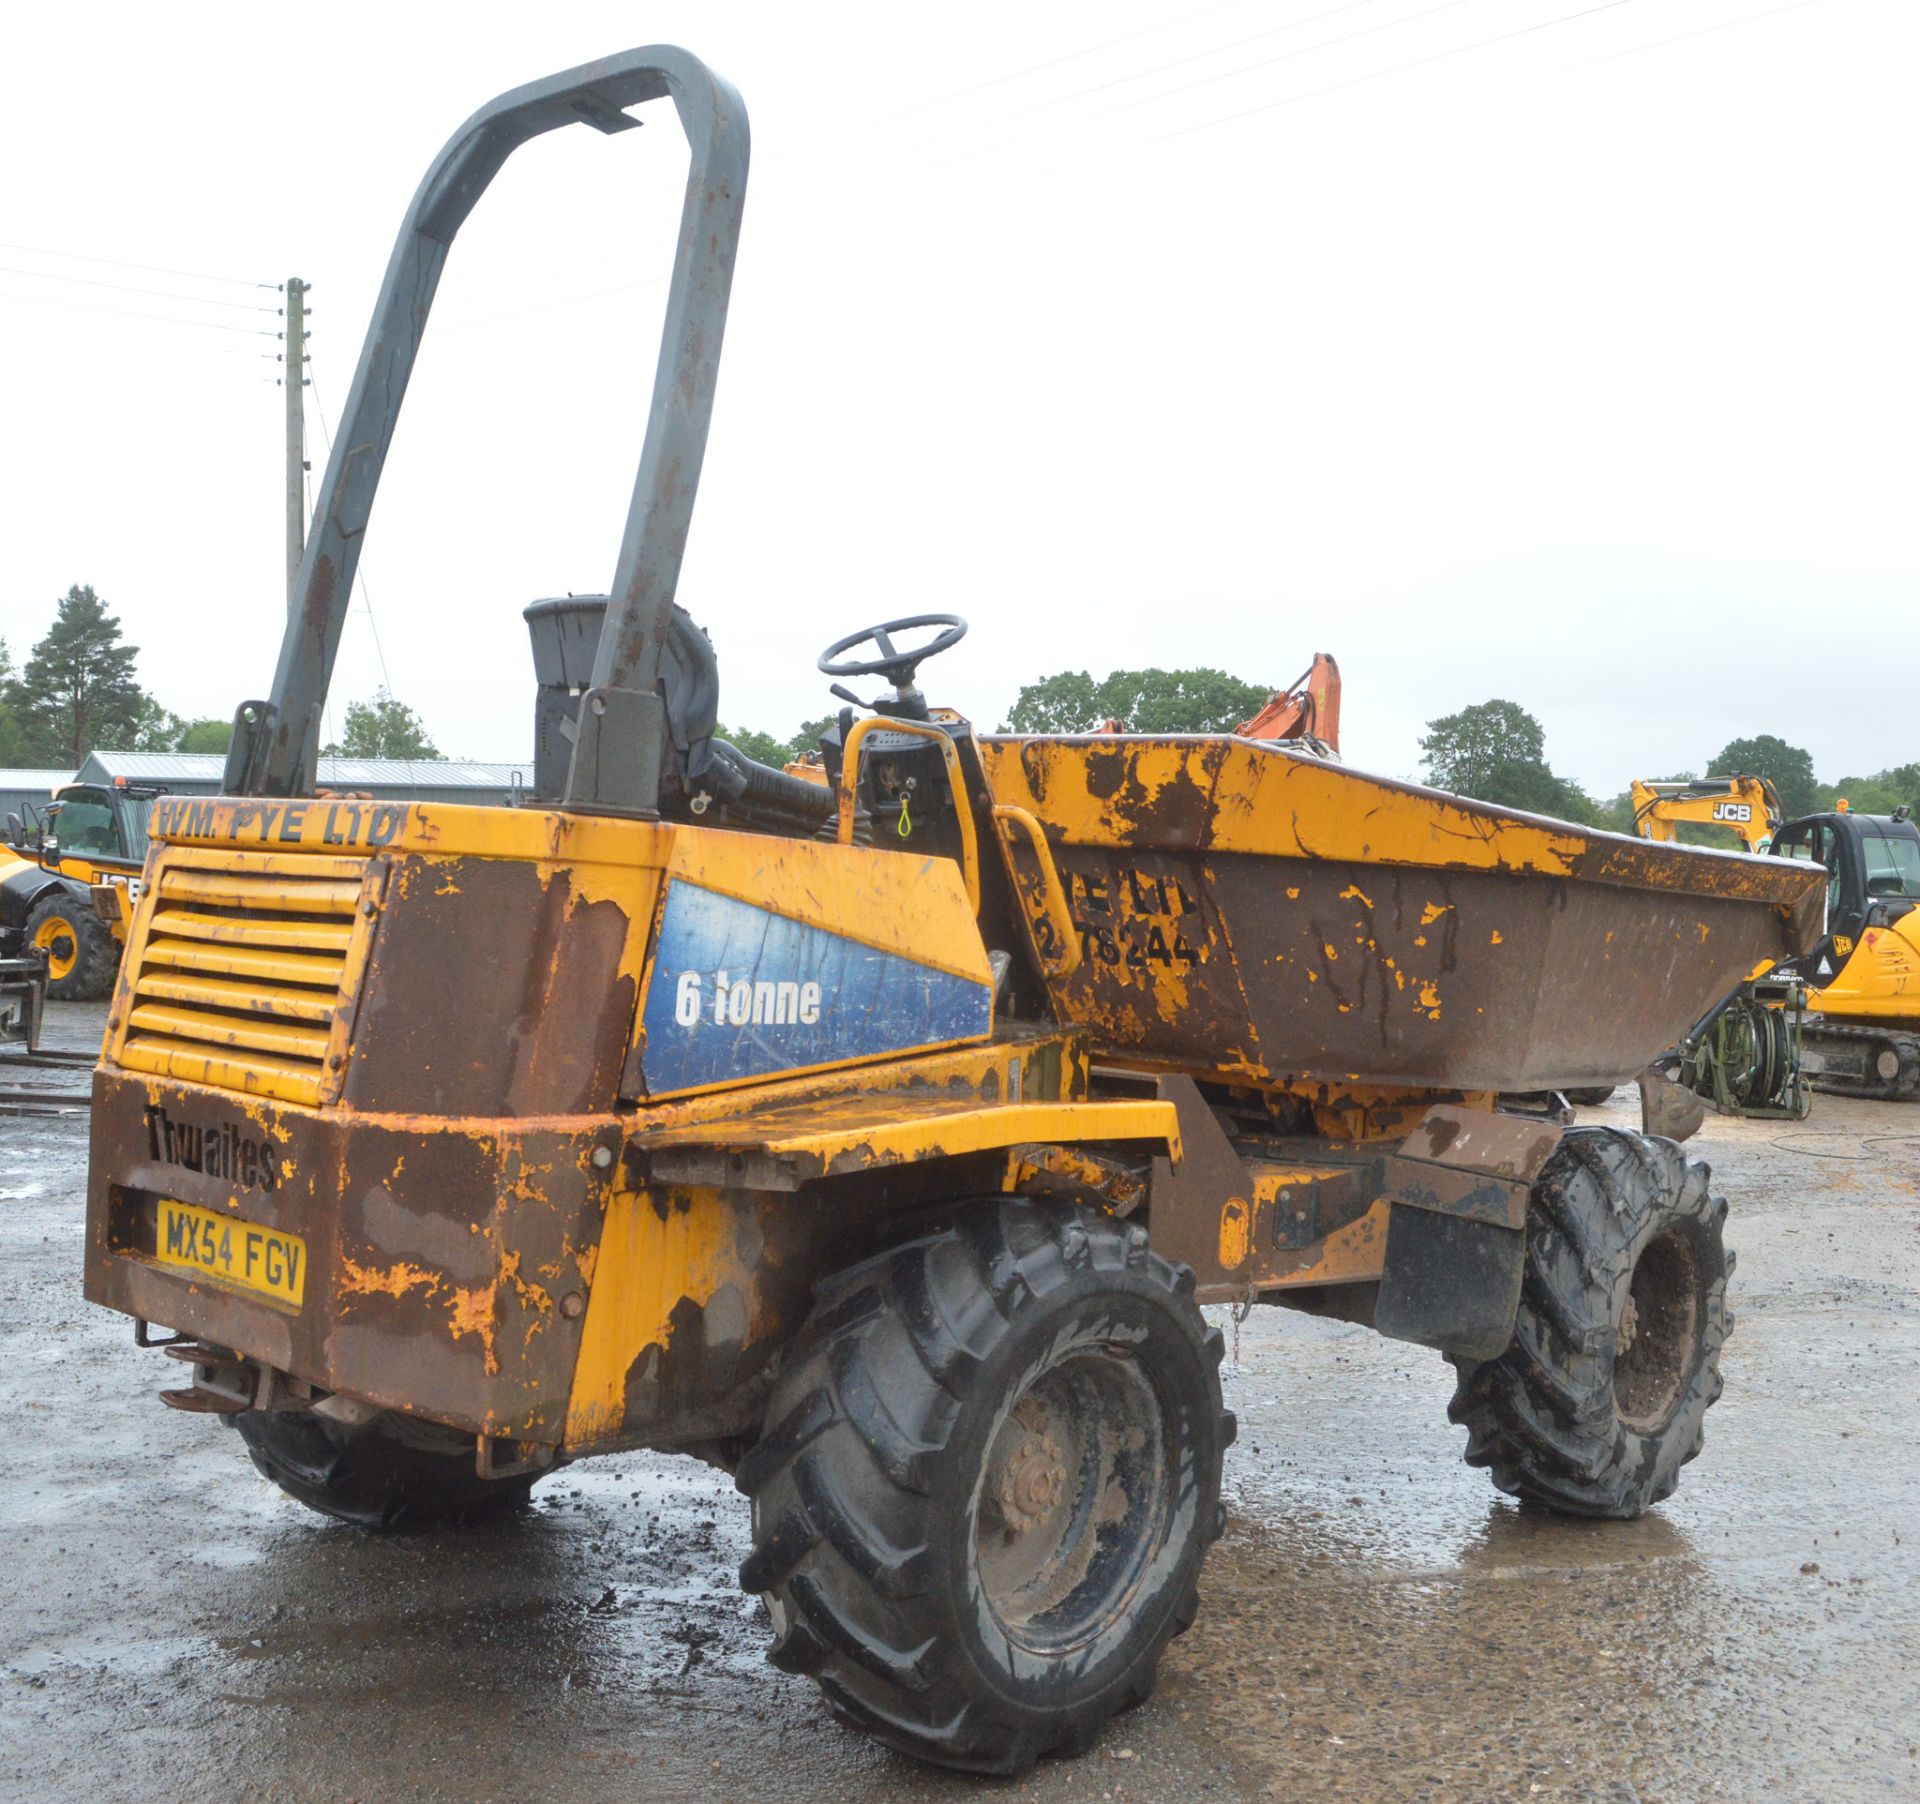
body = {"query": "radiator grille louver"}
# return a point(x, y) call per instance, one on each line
point(246, 965)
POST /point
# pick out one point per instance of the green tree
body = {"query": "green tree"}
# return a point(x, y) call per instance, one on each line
point(762, 748)
point(1882, 793)
point(1616, 812)
point(807, 739)
point(1787, 767)
point(77, 689)
point(12, 737)
point(156, 729)
point(1066, 702)
point(1149, 701)
point(206, 736)
point(1465, 752)
point(383, 728)
point(1495, 751)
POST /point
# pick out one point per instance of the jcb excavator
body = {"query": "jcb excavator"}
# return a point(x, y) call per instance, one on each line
point(1746, 807)
point(68, 879)
point(1859, 987)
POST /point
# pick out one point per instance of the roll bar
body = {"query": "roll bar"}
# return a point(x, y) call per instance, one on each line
point(615, 767)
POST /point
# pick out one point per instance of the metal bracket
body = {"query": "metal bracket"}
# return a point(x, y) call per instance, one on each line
point(530, 1456)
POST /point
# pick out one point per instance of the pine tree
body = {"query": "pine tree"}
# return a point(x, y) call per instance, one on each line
point(11, 738)
point(77, 690)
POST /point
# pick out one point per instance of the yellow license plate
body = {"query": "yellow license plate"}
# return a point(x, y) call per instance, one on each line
point(263, 1260)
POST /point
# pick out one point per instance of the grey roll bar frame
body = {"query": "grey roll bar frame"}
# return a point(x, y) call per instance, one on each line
point(615, 767)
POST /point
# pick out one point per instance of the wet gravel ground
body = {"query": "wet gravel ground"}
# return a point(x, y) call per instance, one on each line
point(1377, 1624)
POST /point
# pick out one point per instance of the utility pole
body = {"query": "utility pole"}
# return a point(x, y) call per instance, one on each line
point(295, 383)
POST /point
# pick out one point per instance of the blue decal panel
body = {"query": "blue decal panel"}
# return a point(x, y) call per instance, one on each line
point(742, 992)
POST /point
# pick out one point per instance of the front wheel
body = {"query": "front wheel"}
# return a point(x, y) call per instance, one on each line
point(991, 1472)
point(1615, 1361)
point(79, 947)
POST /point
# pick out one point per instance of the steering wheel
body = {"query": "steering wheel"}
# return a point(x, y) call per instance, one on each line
point(895, 665)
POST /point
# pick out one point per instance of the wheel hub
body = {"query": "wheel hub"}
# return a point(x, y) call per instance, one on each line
point(1074, 1499)
point(1032, 1483)
point(55, 939)
point(1657, 1341)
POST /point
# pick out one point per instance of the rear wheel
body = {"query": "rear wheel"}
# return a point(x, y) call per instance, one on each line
point(991, 1473)
point(393, 1473)
point(79, 948)
point(1616, 1354)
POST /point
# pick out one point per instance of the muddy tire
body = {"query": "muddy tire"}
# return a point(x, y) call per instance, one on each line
point(1592, 1096)
point(1615, 1360)
point(391, 1474)
point(81, 954)
point(990, 1475)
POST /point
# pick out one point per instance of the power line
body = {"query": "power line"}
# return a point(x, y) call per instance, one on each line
point(1072, 56)
point(165, 294)
point(205, 325)
point(1288, 56)
point(1439, 56)
point(1267, 62)
point(1701, 32)
point(1199, 56)
point(152, 269)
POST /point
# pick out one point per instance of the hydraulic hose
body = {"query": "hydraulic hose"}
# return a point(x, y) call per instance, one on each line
point(735, 777)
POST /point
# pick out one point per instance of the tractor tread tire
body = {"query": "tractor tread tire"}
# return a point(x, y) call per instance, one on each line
point(862, 1484)
point(96, 956)
point(1544, 1418)
point(379, 1477)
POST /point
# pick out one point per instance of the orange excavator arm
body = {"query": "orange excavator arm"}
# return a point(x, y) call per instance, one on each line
point(1309, 708)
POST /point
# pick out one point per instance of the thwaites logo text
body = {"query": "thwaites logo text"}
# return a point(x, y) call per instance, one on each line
point(729, 1001)
point(218, 1152)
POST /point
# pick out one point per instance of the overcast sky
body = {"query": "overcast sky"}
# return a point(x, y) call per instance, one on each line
point(1534, 348)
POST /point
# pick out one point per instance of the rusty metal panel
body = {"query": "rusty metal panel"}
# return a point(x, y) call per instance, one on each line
point(447, 1269)
point(496, 987)
point(1236, 1219)
point(1249, 914)
point(1467, 1162)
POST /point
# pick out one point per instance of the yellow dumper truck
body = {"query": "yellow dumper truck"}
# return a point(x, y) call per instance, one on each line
point(879, 1140)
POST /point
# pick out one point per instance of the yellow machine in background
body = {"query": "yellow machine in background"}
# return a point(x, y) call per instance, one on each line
point(1863, 1034)
point(67, 881)
point(1746, 807)
point(1845, 1017)
point(880, 1138)
point(1745, 1054)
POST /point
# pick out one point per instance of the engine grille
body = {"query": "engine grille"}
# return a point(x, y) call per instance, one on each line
point(247, 969)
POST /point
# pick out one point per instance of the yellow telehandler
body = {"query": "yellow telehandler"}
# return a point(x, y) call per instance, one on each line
point(879, 1139)
point(67, 880)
